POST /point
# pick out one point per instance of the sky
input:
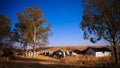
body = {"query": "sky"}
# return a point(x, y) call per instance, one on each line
point(64, 16)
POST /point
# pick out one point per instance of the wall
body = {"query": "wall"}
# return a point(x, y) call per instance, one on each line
point(102, 54)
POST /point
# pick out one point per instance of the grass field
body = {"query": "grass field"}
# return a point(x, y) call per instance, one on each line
point(67, 62)
point(79, 61)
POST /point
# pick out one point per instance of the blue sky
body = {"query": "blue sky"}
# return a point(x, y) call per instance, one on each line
point(64, 16)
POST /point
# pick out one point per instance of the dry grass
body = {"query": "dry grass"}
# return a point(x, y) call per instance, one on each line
point(79, 61)
point(70, 48)
point(88, 60)
point(65, 48)
point(43, 59)
point(67, 62)
point(4, 59)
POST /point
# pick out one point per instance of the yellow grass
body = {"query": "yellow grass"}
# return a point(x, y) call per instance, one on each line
point(70, 48)
point(88, 60)
point(43, 59)
point(79, 61)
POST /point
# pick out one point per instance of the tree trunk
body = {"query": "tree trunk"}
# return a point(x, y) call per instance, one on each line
point(115, 47)
point(25, 48)
point(116, 55)
point(33, 51)
point(34, 39)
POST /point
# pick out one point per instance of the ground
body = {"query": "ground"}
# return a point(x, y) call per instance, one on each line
point(79, 61)
point(49, 62)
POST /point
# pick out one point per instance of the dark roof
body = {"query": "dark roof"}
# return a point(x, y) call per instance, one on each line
point(95, 49)
point(77, 51)
point(100, 49)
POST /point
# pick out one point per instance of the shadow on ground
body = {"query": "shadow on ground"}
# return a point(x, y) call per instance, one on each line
point(30, 59)
point(38, 65)
point(18, 62)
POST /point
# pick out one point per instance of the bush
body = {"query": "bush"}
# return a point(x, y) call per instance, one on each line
point(21, 53)
point(1, 52)
point(9, 53)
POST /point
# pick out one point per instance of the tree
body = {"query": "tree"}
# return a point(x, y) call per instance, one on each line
point(31, 24)
point(5, 24)
point(7, 37)
point(13, 38)
point(21, 29)
point(101, 19)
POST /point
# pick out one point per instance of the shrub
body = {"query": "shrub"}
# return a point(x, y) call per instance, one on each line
point(1, 52)
point(21, 53)
point(9, 53)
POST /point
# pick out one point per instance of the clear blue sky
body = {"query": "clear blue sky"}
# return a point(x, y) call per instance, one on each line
point(64, 16)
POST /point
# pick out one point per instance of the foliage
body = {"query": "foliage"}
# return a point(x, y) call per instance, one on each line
point(101, 19)
point(7, 37)
point(4, 26)
point(31, 26)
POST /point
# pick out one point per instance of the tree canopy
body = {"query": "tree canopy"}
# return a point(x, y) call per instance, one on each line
point(101, 19)
point(31, 26)
point(7, 37)
point(5, 24)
